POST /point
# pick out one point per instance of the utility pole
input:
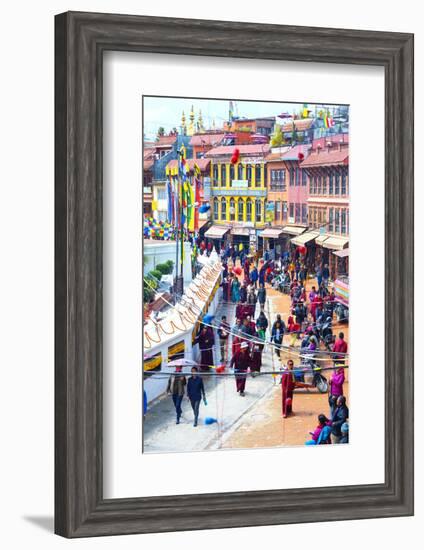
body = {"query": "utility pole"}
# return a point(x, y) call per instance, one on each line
point(179, 254)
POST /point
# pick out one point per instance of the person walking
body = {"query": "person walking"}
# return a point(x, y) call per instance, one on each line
point(241, 363)
point(243, 293)
point(195, 393)
point(223, 333)
point(292, 270)
point(254, 276)
point(340, 349)
point(261, 325)
point(325, 275)
point(262, 296)
point(235, 290)
point(287, 389)
point(318, 273)
point(251, 301)
point(277, 333)
point(176, 388)
point(206, 341)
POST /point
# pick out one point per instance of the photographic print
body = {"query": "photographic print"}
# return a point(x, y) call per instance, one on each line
point(245, 274)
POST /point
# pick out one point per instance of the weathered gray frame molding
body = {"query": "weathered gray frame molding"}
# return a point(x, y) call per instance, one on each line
point(81, 39)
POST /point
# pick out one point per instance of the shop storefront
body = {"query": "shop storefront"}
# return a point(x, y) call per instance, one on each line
point(242, 236)
point(219, 235)
point(341, 262)
point(327, 247)
point(274, 240)
point(307, 241)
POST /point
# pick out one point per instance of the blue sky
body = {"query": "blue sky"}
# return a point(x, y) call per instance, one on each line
point(166, 111)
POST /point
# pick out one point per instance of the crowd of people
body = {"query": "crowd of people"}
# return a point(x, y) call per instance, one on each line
point(307, 328)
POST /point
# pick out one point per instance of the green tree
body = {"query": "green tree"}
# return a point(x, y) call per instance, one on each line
point(161, 131)
point(277, 138)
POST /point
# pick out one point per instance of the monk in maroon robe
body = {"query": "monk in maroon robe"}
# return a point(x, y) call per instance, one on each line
point(206, 341)
point(256, 358)
point(287, 388)
point(241, 363)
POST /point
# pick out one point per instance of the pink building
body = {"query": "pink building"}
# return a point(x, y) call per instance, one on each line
point(327, 172)
point(297, 195)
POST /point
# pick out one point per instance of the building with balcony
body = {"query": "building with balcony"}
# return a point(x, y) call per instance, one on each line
point(327, 169)
point(238, 191)
point(297, 189)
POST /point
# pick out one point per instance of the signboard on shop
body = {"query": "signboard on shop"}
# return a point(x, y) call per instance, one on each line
point(206, 188)
point(240, 184)
point(270, 212)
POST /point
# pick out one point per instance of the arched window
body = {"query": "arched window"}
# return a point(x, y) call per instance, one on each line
point(240, 210)
point(232, 210)
point(215, 208)
point(249, 175)
point(223, 209)
point(223, 175)
point(215, 174)
point(249, 210)
point(231, 172)
point(240, 171)
point(258, 174)
point(258, 211)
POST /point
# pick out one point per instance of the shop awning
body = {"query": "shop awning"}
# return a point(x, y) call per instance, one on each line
point(321, 239)
point(271, 233)
point(341, 253)
point(335, 242)
point(243, 231)
point(304, 238)
point(216, 232)
point(202, 223)
point(294, 229)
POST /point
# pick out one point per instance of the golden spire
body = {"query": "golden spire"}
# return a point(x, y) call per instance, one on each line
point(191, 126)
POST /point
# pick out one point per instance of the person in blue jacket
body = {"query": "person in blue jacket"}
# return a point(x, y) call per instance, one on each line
point(195, 392)
point(254, 275)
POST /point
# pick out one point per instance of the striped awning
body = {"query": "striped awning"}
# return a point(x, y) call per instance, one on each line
point(304, 238)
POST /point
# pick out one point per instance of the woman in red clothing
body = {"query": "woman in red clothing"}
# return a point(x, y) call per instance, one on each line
point(287, 388)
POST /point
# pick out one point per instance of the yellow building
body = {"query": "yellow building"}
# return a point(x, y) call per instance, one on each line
point(238, 191)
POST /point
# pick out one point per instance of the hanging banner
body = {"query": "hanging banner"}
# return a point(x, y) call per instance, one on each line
point(270, 212)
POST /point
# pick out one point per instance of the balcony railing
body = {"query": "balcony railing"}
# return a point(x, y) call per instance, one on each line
point(276, 186)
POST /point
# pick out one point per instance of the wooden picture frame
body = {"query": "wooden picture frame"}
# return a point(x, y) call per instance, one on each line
point(81, 39)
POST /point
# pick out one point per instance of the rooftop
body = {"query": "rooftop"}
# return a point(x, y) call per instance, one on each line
point(206, 139)
point(203, 164)
point(299, 124)
point(228, 150)
point(164, 141)
point(323, 157)
point(294, 152)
